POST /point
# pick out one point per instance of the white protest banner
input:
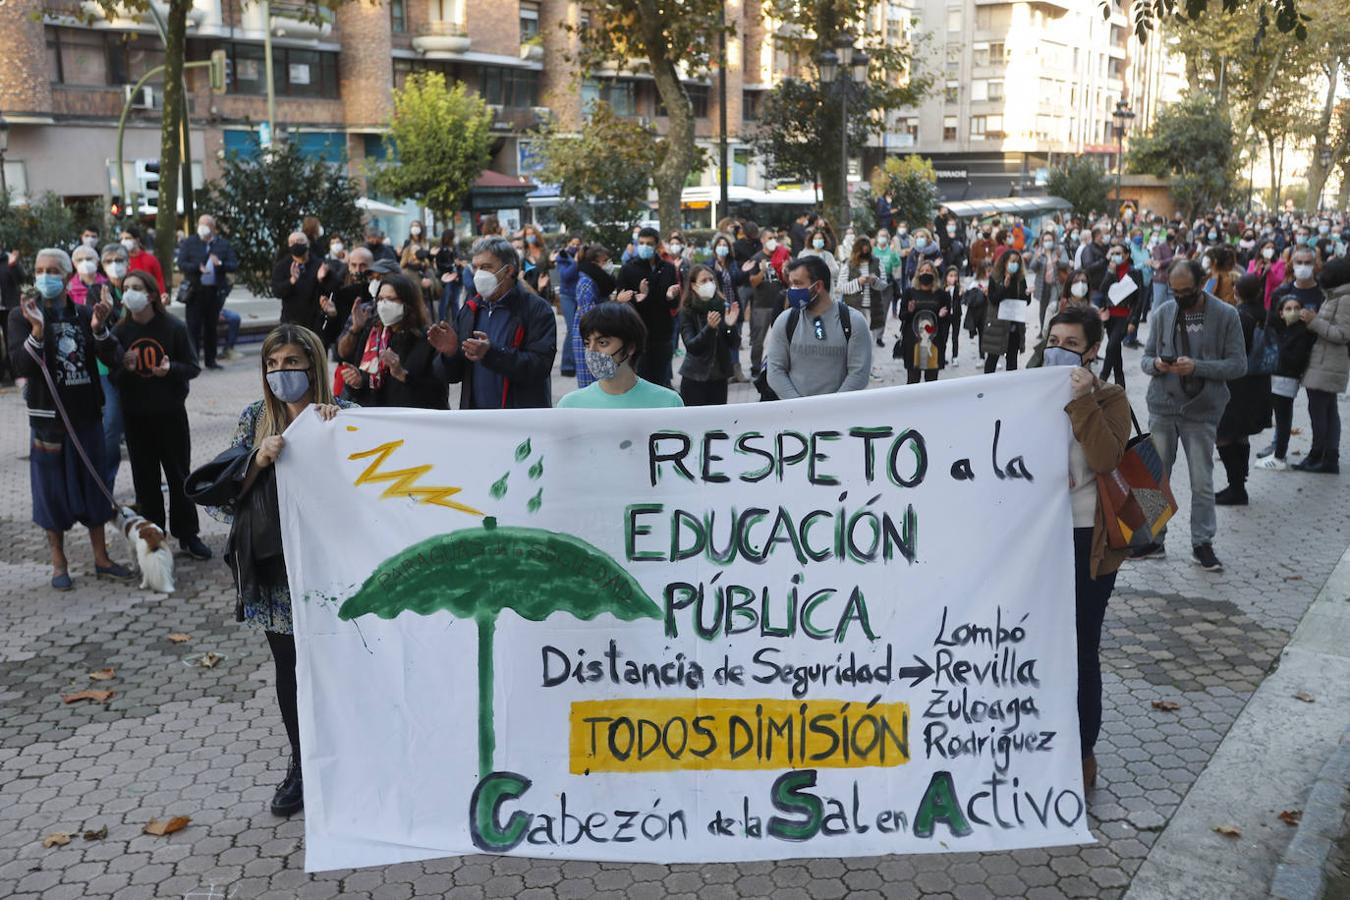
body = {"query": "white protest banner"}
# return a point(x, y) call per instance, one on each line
point(827, 627)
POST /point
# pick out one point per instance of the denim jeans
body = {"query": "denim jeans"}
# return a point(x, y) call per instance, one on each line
point(232, 321)
point(449, 303)
point(1197, 439)
point(567, 302)
point(113, 429)
point(1157, 298)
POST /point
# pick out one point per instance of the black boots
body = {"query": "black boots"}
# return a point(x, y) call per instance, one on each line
point(290, 796)
point(1234, 459)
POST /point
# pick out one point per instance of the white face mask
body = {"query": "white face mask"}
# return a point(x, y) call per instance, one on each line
point(1268, 252)
point(771, 245)
point(135, 300)
point(89, 241)
point(335, 248)
point(676, 248)
point(204, 232)
point(415, 231)
point(389, 311)
point(706, 289)
point(116, 270)
point(485, 283)
point(130, 244)
point(1303, 271)
point(86, 267)
point(1078, 289)
point(374, 288)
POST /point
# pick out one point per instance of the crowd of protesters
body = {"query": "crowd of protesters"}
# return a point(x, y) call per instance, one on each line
point(1237, 314)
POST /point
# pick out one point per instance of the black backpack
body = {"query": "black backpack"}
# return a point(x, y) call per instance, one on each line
point(794, 316)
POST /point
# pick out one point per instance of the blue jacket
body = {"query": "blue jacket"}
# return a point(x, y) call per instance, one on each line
point(193, 253)
point(524, 363)
point(567, 272)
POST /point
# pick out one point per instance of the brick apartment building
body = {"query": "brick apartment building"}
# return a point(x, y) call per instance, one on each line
point(63, 81)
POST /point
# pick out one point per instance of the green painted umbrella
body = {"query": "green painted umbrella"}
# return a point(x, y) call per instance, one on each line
point(475, 574)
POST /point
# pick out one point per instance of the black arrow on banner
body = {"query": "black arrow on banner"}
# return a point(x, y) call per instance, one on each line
point(918, 673)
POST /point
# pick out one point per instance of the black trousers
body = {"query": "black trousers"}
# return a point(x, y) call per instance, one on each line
point(1284, 423)
point(1015, 334)
point(162, 443)
point(203, 314)
point(912, 376)
point(1116, 329)
point(955, 328)
point(1090, 596)
point(283, 655)
point(654, 363)
point(703, 393)
point(1326, 425)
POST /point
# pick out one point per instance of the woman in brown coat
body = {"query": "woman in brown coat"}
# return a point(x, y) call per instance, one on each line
point(1099, 415)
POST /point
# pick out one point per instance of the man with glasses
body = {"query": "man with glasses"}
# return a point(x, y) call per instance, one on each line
point(812, 346)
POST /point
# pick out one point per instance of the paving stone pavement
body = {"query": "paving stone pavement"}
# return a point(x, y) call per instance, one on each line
point(178, 738)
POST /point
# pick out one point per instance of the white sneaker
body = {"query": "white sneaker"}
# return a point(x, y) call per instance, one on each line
point(956, 362)
point(1273, 463)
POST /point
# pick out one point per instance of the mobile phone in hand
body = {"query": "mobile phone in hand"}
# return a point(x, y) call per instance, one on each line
point(1170, 360)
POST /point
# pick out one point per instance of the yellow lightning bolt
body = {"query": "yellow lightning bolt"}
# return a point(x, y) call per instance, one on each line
point(403, 481)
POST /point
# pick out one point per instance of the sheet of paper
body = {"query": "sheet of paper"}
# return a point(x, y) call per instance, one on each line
point(1121, 290)
point(1013, 310)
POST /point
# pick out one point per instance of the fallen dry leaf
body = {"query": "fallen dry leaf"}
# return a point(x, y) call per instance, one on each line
point(1166, 705)
point(1305, 697)
point(96, 835)
point(96, 696)
point(1231, 831)
point(1291, 816)
point(1293, 578)
point(179, 638)
point(209, 659)
point(56, 839)
point(103, 674)
point(1293, 431)
point(168, 826)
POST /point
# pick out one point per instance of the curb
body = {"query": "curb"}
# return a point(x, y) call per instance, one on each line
point(1301, 873)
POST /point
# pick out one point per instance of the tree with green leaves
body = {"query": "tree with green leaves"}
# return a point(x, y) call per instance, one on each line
point(439, 141)
point(803, 133)
point(911, 182)
point(1191, 143)
point(602, 174)
point(258, 201)
point(1082, 181)
point(671, 40)
point(28, 227)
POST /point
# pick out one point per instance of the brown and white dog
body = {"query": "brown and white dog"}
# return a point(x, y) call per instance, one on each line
point(151, 548)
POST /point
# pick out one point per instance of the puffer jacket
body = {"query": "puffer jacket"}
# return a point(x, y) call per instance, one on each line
point(1329, 364)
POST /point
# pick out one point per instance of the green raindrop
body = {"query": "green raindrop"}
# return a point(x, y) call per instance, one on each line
point(523, 450)
point(498, 489)
point(537, 469)
point(536, 501)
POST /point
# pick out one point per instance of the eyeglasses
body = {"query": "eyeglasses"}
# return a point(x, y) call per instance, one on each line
point(820, 328)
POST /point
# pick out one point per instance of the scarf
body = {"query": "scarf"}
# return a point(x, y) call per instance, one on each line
point(604, 282)
point(377, 341)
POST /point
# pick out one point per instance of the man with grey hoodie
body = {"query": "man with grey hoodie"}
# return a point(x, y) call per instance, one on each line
point(1195, 347)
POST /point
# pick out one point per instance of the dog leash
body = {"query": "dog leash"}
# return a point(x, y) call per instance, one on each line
point(70, 429)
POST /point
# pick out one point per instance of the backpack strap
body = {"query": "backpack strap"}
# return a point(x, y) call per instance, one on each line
point(794, 316)
point(845, 320)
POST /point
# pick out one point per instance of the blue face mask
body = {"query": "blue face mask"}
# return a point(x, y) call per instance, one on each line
point(799, 297)
point(288, 385)
point(49, 286)
point(1061, 356)
point(646, 251)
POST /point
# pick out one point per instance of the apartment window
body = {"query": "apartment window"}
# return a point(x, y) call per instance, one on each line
point(698, 99)
point(997, 53)
point(910, 126)
point(398, 16)
point(996, 90)
point(405, 67)
point(954, 19)
point(993, 18)
point(510, 88)
point(750, 103)
point(949, 128)
point(953, 60)
point(78, 57)
point(986, 127)
point(529, 20)
point(952, 92)
point(130, 57)
point(620, 95)
point(296, 73)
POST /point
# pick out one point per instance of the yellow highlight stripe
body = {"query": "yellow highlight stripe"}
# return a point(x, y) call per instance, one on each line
point(645, 735)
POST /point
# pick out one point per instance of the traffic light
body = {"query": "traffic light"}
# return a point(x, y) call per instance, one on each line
point(147, 175)
point(217, 72)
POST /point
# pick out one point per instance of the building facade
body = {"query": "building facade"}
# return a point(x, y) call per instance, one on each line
point(1019, 82)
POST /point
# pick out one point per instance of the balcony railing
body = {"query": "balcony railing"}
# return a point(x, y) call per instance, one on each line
point(442, 29)
point(441, 39)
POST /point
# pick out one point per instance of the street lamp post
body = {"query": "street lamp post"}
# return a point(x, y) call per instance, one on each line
point(4, 148)
point(1323, 157)
point(843, 66)
point(1121, 117)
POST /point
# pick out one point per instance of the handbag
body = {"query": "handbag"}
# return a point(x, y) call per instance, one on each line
point(1136, 497)
point(1265, 353)
point(218, 483)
